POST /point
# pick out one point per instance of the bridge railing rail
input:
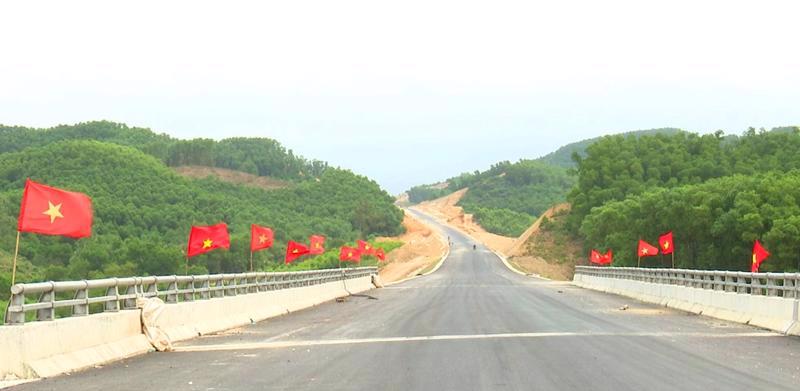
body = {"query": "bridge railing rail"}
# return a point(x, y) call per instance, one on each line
point(785, 285)
point(115, 294)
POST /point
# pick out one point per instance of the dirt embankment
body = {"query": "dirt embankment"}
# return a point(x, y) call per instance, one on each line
point(232, 176)
point(523, 252)
point(422, 248)
point(445, 210)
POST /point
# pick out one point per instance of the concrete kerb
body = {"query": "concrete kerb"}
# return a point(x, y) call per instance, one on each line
point(773, 313)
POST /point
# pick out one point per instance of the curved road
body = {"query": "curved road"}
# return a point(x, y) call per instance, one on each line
point(472, 325)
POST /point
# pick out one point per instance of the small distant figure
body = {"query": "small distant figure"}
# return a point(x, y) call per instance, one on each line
point(474, 247)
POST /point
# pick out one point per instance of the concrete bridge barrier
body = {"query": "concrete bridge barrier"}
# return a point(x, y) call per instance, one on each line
point(196, 305)
point(767, 300)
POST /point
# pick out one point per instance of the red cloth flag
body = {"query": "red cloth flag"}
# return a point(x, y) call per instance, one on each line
point(316, 244)
point(260, 237)
point(349, 254)
point(50, 211)
point(666, 243)
point(203, 239)
point(646, 249)
point(595, 257)
point(759, 255)
point(295, 250)
point(608, 258)
point(380, 254)
point(365, 248)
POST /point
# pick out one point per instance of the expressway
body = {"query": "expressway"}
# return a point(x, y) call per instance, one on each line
point(471, 325)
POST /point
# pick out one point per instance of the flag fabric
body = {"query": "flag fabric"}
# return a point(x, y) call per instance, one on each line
point(365, 248)
point(203, 239)
point(349, 254)
point(260, 237)
point(595, 257)
point(608, 258)
point(666, 243)
point(380, 254)
point(295, 250)
point(646, 249)
point(759, 255)
point(50, 211)
point(316, 244)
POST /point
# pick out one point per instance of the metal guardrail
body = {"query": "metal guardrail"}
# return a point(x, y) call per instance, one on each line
point(766, 284)
point(121, 293)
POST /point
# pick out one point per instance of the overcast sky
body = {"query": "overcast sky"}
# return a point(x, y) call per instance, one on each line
point(405, 92)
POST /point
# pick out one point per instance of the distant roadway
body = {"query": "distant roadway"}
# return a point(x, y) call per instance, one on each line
point(472, 325)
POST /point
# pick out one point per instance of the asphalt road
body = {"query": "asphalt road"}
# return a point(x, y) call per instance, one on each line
point(472, 325)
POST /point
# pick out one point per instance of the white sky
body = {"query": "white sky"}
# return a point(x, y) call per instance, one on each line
point(406, 92)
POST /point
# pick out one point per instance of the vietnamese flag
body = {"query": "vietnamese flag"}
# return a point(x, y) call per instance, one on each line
point(365, 248)
point(50, 211)
point(316, 244)
point(595, 257)
point(380, 254)
point(260, 237)
point(666, 243)
point(295, 250)
point(759, 255)
point(608, 258)
point(646, 249)
point(349, 254)
point(203, 239)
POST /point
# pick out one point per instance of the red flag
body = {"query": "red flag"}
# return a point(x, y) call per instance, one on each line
point(608, 258)
point(295, 250)
point(646, 249)
point(50, 211)
point(349, 254)
point(365, 248)
point(595, 257)
point(260, 237)
point(380, 254)
point(666, 243)
point(316, 244)
point(203, 239)
point(759, 255)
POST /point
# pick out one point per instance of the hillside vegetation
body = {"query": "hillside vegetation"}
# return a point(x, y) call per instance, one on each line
point(718, 194)
point(143, 210)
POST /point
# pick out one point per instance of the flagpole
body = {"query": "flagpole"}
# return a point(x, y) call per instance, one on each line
point(14, 268)
point(673, 258)
point(251, 261)
point(640, 262)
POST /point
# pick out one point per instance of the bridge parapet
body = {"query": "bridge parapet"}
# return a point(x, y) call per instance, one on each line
point(115, 294)
point(768, 300)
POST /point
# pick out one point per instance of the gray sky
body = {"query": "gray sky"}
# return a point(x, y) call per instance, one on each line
point(405, 92)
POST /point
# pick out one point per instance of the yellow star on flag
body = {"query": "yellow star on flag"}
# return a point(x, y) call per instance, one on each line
point(754, 259)
point(350, 254)
point(53, 211)
point(262, 239)
point(207, 243)
point(666, 245)
point(295, 251)
point(644, 251)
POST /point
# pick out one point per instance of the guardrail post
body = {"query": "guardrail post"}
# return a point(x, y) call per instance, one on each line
point(204, 288)
point(133, 289)
point(48, 296)
point(82, 309)
point(189, 296)
point(15, 314)
point(112, 306)
point(172, 290)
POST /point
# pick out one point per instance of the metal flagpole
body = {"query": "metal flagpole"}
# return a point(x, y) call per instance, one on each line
point(251, 261)
point(14, 268)
point(673, 258)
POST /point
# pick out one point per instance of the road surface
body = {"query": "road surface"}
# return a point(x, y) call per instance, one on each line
point(472, 325)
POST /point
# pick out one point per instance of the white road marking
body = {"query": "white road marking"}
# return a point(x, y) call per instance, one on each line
point(324, 342)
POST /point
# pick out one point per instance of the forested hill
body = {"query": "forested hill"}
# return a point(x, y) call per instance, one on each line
point(562, 157)
point(717, 194)
point(143, 210)
point(508, 197)
point(257, 156)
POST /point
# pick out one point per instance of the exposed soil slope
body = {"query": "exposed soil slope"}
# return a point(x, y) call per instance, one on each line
point(231, 176)
point(422, 248)
point(534, 252)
